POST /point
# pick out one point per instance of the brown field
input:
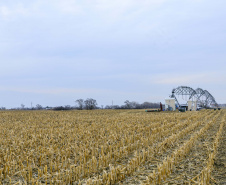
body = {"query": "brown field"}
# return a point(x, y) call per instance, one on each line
point(112, 147)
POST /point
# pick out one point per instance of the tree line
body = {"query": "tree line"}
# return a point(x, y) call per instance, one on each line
point(134, 105)
point(90, 104)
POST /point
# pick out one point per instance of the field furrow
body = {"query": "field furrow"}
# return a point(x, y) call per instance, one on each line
point(192, 166)
point(173, 144)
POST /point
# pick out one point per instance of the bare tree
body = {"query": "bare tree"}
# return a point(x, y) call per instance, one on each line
point(22, 106)
point(67, 107)
point(90, 104)
point(80, 103)
point(128, 104)
point(39, 107)
point(134, 105)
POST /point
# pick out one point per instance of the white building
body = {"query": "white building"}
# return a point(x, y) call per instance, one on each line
point(192, 105)
point(170, 104)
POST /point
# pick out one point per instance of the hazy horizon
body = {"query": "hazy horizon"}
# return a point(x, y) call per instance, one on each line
point(54, 52)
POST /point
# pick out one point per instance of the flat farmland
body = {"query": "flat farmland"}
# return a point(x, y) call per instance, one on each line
point(112, 147)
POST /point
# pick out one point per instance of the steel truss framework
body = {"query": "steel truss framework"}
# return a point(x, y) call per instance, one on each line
point(203, 97)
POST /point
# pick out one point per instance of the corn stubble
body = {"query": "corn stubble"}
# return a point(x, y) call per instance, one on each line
point(97, 147)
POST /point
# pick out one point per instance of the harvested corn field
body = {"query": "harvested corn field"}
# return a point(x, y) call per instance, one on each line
point(112, 147)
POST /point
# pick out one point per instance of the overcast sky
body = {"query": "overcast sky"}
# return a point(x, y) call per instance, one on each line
point(53, 52)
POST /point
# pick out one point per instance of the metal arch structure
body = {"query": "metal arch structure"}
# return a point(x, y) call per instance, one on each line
point(197, 94)
point(182, 90)
point(210, 100)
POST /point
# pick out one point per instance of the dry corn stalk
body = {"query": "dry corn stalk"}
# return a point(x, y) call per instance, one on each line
point(74, 146)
